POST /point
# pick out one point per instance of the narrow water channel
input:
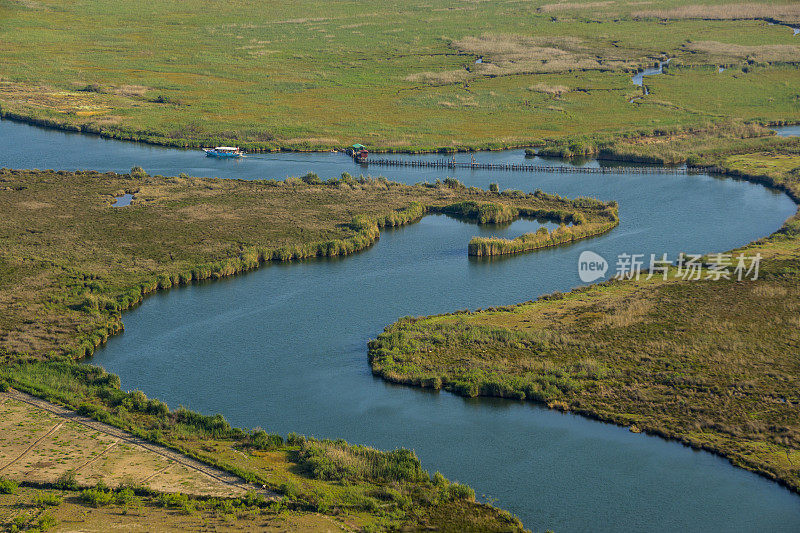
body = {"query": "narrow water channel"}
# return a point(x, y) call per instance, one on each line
point(638, 78)
point(284, 347)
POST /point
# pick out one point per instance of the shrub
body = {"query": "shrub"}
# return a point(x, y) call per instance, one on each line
point(97, 496)
point(215, 426)
point(453, 183)
point(124, 496)
point(340, 461)
point(290, 490)
point(177, 501)
point(66, 481)
point(8, 487)
point(311, 179)
point(138, 172)
point(457, 491)
point(48, 499)
point(293, 439)
point(45, 522)
point(261, 440)
point(493, 187)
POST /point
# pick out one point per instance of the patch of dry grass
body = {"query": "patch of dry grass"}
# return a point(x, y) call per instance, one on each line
point(39, 446)
point(554, 90)
point(507, 54)
point(767, 53)
point(440, 78)
point(571, 6)
point(789, 13)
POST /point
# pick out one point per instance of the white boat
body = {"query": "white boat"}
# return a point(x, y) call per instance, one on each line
point(223, 151)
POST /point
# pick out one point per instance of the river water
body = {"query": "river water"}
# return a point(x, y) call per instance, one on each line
point(284, 347)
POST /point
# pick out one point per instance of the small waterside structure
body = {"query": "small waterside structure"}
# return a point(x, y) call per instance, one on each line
point(223, 151)
point(358, 152)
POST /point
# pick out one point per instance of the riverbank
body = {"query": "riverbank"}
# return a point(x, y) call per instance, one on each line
point(708, 363)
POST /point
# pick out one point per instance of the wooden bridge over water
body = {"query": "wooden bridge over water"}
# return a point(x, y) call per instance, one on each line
point(522, 167)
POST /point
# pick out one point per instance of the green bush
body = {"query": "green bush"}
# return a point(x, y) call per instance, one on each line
point(97, 496)
point(50, 499)
point(261, 440)
point(124, 496)
point(293, 439)
point(45, 522)
point(457, 491)
point(311, 179)
point(8, 487)
point(340, 461)
point(177, 501)
point(66, 481)
point(215, 426)
point(138, 172)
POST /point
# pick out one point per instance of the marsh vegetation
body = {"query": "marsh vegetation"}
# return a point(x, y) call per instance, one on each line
point(394, 76)
point(118, 261)
point(703, 362)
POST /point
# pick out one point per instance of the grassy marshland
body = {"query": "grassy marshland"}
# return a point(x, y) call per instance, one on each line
point(71, 263)
point(318, 74)
point(669, 146)
point(713, 364)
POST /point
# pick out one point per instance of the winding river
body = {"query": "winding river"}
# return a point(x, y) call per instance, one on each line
point(284, 347)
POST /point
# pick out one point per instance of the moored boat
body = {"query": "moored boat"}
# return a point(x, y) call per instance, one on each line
point(223, 151)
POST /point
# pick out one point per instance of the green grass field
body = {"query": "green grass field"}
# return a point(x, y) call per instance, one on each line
point(319, 74)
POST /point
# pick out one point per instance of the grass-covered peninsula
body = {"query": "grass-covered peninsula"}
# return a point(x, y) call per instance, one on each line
point(713, 364)
point(72, 262)
point(396, 76)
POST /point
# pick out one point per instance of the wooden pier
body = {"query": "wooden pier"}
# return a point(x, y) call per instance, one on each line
point(522, 167)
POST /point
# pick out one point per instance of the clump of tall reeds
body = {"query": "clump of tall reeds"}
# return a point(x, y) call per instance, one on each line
point(340, 461)
point(482, 212)
point(581, 228)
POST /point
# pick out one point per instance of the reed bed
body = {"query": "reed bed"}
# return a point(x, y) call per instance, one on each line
point(544, 238)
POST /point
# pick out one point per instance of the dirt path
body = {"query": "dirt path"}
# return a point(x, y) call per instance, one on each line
point(172, 455)
point(33, 445)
